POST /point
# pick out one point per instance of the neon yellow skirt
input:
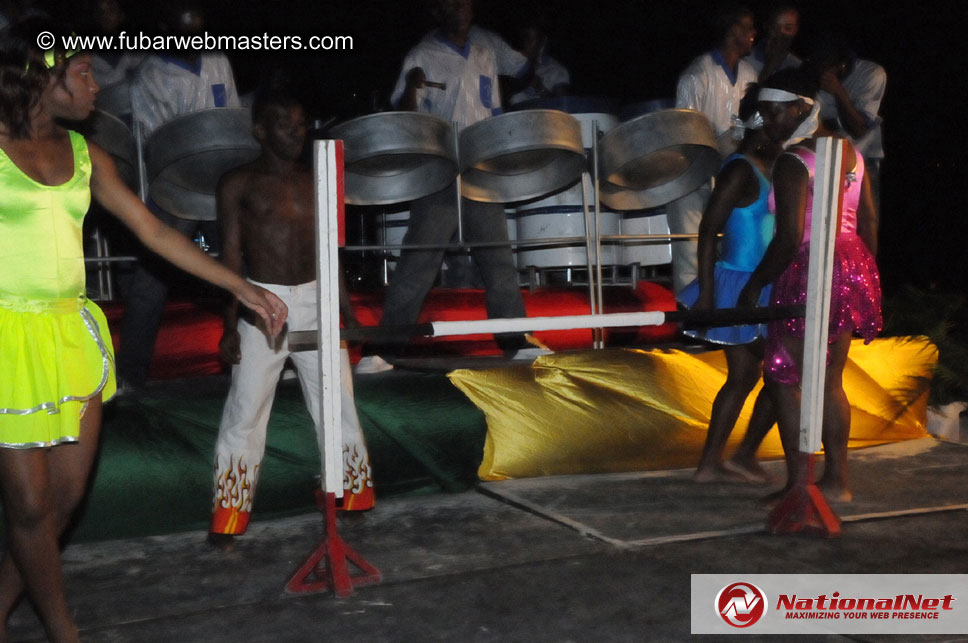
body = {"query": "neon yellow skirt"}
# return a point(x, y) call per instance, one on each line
point(54, 357)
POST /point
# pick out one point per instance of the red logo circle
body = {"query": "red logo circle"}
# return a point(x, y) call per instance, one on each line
point(741, 604)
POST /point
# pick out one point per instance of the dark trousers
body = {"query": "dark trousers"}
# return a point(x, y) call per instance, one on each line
point(144, 293)
point(433, 220)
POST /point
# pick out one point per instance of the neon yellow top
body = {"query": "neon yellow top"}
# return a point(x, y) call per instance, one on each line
point(55, 348)
point(41, 248)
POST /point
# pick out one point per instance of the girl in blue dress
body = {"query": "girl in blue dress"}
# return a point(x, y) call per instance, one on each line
point(738, 210)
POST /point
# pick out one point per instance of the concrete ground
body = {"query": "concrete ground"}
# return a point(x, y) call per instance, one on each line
point(574, 558)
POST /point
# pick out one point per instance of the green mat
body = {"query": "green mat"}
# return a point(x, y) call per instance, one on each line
point(154, 473)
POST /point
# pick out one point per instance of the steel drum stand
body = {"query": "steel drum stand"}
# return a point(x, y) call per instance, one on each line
point(593, 244)
point(457, 185)
point(591, 260)
point(105, 272)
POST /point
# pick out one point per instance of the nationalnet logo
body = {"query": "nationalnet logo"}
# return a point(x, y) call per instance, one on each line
point(899, 606)
point(830, 603)
point(741, 604)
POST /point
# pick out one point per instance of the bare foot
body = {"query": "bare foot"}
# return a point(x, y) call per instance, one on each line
point(835, 491)
point(751, 472)
point(223, 542)
point(716, 474)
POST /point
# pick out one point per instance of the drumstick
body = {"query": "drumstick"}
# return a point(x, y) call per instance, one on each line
point(437, 85)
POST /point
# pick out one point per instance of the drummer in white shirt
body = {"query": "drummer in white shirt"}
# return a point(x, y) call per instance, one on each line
point(714, 84)
point(466, 58)
point(164, 87)
point(452, 73)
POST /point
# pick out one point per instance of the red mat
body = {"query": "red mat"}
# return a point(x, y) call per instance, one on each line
point(188, 339)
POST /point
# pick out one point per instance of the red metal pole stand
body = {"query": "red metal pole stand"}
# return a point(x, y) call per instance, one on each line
point(327, 568)
point(804, 509)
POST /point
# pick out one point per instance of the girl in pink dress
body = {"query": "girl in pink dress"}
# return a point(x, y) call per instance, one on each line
point(855, 297)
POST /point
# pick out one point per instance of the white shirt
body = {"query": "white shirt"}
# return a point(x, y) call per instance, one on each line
point(705, 87)
point(165, 87)
point(470, 73)
point(510, 61)
point(110, 70)
point(865, 86)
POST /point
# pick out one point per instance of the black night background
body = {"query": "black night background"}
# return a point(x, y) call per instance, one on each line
point(633, 51)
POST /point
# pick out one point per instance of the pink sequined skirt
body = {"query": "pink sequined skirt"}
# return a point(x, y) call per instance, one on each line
point(855, 303)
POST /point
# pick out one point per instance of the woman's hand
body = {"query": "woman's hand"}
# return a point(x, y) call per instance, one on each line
point(268, 306)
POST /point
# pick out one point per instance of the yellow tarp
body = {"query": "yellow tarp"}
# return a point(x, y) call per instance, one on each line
point(632, 410)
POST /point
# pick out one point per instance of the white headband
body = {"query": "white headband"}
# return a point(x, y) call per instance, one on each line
point(771, 95)
point(807, 128)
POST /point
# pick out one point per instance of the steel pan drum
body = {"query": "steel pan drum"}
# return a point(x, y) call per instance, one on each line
point(117, 140)
point(656, 158)
point(634, 110)
point(187, 156)
point(646, 252)
point(520, 155)
point(393, 157)
point(586, 109)
point(563, 214)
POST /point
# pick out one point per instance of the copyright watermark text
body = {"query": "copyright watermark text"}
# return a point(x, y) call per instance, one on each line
point(125, 41)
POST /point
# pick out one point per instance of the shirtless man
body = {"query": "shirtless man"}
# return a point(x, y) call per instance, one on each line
point(266, 213)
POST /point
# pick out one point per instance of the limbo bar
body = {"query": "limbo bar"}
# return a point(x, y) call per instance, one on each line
point(306, 340)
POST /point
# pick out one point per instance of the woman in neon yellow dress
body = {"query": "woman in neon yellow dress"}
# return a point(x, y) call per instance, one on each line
point(56, 362)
